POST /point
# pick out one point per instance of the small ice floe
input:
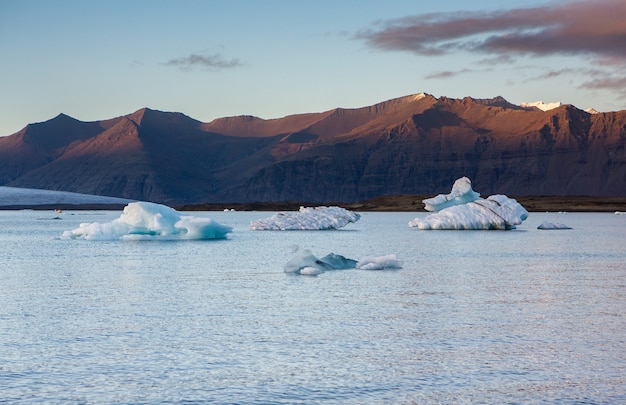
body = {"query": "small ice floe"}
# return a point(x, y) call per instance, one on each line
point(310, 271)
point(620, 213)
point(150, 221)
point(307, 264)
point(307, 218)
point(379, 263)
point(464, 209)
point(552, 225)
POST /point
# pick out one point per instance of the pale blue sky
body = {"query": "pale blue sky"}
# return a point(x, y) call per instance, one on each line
point(96, 60)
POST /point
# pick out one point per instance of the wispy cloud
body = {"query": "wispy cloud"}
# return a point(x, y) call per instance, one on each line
point(498, 60)
point(214, 61)
point(596, 78)
point(608, 82)
point(446, 74)
point(555, 73)
point(584, 27)
point(595, 30)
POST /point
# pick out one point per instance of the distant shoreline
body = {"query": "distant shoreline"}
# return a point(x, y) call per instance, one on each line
point(413, 203)
point(398, 203)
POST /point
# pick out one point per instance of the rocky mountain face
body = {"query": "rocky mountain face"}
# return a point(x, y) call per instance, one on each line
point(417, 144)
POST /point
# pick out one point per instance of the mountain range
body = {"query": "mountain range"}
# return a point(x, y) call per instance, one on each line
point(417, 144)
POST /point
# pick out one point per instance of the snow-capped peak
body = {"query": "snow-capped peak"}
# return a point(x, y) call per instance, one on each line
point(541, 105)
point(591, 110)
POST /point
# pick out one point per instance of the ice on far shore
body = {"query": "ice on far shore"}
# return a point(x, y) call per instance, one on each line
point(150, 221)
point(307, 264)
point(463, 209)
point(29, 197)
point(307, 218)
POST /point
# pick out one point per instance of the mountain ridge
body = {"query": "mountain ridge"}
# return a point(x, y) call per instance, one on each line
point(415, 144)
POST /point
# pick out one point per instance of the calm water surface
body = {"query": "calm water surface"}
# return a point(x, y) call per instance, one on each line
point(523, 316)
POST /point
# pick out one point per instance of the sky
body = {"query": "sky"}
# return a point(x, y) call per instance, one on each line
point(217, 58)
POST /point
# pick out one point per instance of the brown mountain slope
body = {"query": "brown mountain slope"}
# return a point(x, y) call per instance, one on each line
point(411, 145)
point(40, 143)
point(504, 150)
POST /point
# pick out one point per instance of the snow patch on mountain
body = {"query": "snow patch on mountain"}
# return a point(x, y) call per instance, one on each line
point(541, 105)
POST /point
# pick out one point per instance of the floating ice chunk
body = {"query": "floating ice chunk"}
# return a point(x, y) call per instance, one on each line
point(552, 225)
point(144, 220)
point(461, 193)
point(379, 263)
point(338, 262)
point(620, 213)
point(495, 212)
point(311, 271)
point(302, 260)
point(305, 263)
point(307, 218)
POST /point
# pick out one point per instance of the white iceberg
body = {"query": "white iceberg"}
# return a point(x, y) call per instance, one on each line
point(462, 209)
point(379, 263)
point(307, 218)
point(307, 264)
point(552, 225)
point(145, 221)
point(461, 193)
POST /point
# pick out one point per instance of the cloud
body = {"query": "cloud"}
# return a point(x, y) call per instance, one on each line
point(614, 83)
point(595, 28)
point(555, 73)
point(497, 60)
point(213, 61)
point(446, 74)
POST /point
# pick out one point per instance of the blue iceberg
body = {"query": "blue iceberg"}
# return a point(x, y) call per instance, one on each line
point(146, 221)
point(305, 263)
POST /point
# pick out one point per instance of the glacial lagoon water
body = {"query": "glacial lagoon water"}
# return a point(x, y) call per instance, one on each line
point(521, 316)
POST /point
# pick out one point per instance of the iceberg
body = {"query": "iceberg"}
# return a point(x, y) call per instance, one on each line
point(307, 218)
point(148, 221)
point(379, 263)
point(307, 264)
point(461, 193)
point(552, 225)
point(463, 209)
